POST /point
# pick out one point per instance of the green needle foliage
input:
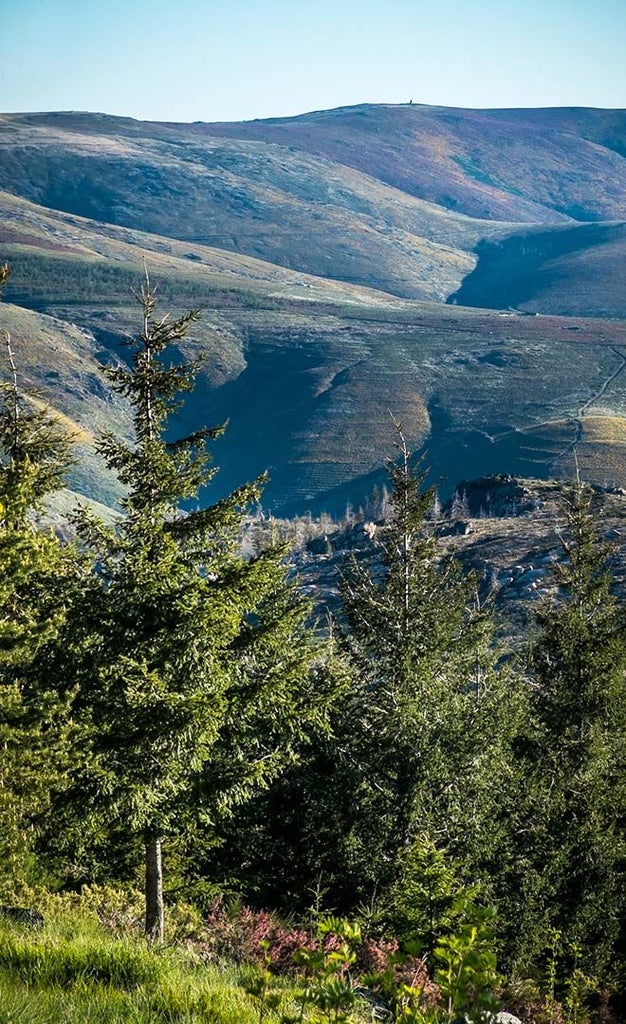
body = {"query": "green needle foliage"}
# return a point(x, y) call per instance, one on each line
point(579, 657)
point(421, 723)
point(192, 667)
point(579, 752)
point(33, 459)
point(38, 584)
point(428, 694)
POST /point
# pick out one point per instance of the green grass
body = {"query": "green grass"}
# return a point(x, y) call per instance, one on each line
point(73, 971)
point(180, 999)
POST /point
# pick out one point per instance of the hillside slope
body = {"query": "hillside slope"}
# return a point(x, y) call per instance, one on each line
point(264, 200)
point(544, 166)
point(316, 277)
point(577, 270)
point(309, 385)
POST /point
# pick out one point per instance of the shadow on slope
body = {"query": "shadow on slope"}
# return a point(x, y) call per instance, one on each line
point(570, 271)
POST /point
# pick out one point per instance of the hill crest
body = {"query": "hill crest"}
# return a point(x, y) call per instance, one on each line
point(322, 250)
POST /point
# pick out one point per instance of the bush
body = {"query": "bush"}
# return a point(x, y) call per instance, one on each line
point(245, 936)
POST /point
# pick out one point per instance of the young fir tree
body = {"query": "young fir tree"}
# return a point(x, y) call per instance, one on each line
point(292, 842)
point(193, 673)
point(419, 728)
point(578, 804)
point(421, 645)
point(38, 583)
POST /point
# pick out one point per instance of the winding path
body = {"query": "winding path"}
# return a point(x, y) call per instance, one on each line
point(584, 409)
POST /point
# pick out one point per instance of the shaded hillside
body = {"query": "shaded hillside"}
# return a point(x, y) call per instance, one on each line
point(398, 198)
point(265, 200)
point(302, 263)
point(69, 258)
point(578, 270)
point(544, 165)
point(308, 377)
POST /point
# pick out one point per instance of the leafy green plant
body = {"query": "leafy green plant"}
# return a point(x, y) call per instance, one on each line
point(579, 987)
point(465, 976)
point(406, 986)
point(567, 992)
point(550, 1001)
point(466, 970)
point(330, 987)
point(260, 983)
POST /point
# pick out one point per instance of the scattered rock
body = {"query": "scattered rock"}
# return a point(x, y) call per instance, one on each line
point(504, 1017)
point(379, 1008)
point(460, 528)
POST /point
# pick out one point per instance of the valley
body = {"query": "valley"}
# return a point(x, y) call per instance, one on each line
point(350, 265)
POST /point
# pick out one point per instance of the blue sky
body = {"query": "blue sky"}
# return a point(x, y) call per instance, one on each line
point(239, 59)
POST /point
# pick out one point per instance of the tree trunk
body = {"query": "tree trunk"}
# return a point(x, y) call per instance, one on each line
point(154, 889)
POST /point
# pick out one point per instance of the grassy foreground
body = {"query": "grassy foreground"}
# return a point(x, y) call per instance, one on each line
point(71, 971)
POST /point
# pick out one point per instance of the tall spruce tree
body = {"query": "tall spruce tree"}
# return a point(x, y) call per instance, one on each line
point(193, 671)
point(39, 579)
point(578, 757)
point(418, 729)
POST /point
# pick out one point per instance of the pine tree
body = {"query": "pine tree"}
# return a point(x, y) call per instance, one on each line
point(193, 673)
point(421, 722)
point(294, 839)
point(578, 667)
point(421, 646)
point(38, 583)
point(578, 657)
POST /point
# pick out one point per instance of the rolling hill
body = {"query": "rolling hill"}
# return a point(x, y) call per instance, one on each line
point(542, 166)
point(350, 265)
point(249, 197)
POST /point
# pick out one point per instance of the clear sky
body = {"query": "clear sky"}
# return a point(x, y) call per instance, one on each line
point(219, 60)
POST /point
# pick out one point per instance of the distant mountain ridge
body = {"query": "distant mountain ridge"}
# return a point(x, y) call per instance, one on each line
point(391, 197)
point(482, 163)
point(350, 263)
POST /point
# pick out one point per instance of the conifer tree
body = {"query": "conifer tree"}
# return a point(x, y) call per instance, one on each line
point(421, 644)
point(578, 667)
point(38, 583)
point(419, 728)
point(193, 678)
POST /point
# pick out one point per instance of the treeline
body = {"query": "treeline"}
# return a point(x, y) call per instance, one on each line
point(56, 278)
point(165, 700)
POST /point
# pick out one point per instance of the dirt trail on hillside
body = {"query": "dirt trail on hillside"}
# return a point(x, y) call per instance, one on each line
point(600, 393)
point(584, 409)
